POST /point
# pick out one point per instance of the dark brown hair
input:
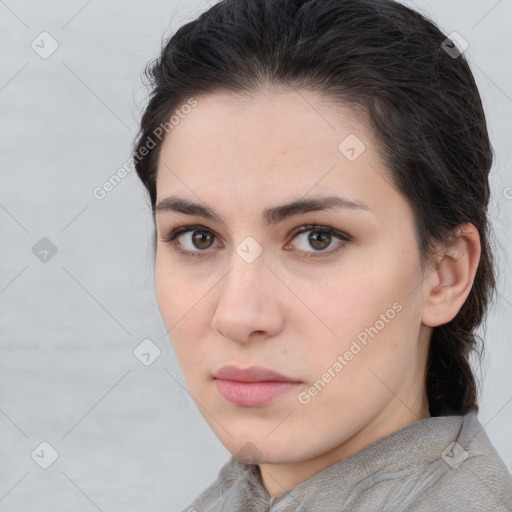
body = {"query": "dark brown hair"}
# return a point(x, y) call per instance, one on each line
point(392, 65)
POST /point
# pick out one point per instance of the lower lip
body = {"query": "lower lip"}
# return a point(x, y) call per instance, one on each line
point(253, 394)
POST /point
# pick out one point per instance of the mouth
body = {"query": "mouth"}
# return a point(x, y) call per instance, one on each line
point(252, 387)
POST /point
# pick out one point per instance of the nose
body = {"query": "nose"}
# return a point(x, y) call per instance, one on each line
point(248, 306)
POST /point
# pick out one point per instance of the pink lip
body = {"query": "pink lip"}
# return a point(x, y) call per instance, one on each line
point(251, 387)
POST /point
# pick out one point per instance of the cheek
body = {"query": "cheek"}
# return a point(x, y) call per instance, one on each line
point(349, 298)
point(370, 313)
point(168, 290)
point(177, 291)
point(178, 307)
point(350, 379)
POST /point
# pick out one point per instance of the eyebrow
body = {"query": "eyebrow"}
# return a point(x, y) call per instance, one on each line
point(271, 216)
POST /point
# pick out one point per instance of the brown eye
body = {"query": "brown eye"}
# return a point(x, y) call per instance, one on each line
point(323, 240)
point(319, 241)
point(202, 239)
point(191, 240)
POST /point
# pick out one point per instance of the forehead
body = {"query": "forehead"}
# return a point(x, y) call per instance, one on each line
point(270, 144)
point(273, 104)
point(272, 123)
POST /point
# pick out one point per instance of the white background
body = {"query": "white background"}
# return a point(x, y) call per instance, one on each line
point(129, 437)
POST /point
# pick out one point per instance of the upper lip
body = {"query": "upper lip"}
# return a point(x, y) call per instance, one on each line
point(251, 374)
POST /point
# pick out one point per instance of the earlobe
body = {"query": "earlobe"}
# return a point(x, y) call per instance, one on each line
point(449, 284)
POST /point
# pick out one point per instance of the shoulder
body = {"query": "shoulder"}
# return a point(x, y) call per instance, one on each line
point(479, 486)
point(468, 476)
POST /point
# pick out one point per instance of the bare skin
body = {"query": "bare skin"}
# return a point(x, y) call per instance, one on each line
point(287, 310)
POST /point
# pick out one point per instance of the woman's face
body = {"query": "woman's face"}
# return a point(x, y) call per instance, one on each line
point(336, 313)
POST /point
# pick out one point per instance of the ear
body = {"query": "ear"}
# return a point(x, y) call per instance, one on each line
point(450, 282)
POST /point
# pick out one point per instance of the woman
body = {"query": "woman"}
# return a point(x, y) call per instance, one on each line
point(318, 175)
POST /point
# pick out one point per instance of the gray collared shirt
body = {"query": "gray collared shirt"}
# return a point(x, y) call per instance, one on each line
point(443, 463)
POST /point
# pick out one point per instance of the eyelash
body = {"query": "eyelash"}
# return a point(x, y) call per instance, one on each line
point(172, 238)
